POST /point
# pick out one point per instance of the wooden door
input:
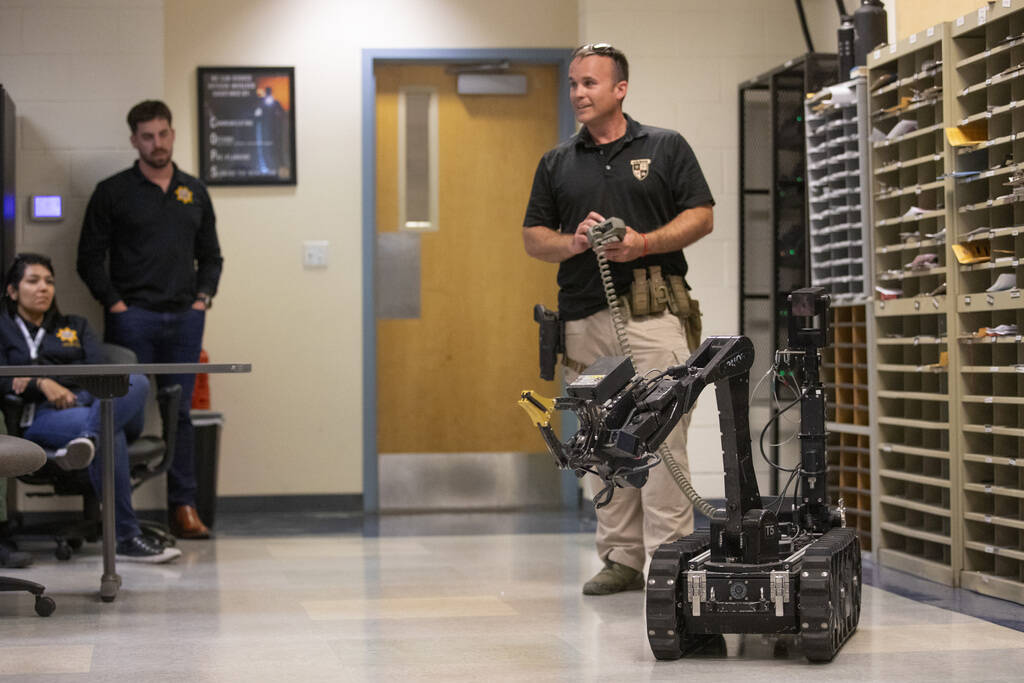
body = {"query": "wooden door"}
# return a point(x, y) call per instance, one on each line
point(448, 381)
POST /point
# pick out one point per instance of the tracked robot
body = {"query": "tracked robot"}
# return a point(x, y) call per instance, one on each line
point(766, 565)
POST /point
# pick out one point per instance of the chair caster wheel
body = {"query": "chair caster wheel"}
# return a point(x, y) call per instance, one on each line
point(63, 551)
point(45, 605)
point(75, 543)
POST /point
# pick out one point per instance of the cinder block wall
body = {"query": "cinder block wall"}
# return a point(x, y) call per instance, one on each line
point(73, 70)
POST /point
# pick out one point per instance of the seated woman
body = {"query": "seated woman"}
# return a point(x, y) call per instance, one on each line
point(60, 414)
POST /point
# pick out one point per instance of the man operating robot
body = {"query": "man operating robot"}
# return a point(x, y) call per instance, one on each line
point(650, 178)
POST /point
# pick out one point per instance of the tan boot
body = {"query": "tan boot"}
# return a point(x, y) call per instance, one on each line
point(614, 578)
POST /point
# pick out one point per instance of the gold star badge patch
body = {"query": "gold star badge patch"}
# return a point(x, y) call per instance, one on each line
point(68, 336)
point(183, 194)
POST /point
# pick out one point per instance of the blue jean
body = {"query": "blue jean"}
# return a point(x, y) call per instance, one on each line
point(167, 338)
point(52, 428)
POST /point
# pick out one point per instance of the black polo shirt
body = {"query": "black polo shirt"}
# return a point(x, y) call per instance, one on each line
point(162, 246)
point(646, 178)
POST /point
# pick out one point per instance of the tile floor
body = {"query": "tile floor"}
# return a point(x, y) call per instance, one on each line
point(443, 598)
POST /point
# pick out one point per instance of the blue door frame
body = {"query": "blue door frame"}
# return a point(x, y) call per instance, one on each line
point(555, 57)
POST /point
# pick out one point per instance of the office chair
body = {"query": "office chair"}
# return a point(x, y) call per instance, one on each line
point(18, 457)
point(148, 457)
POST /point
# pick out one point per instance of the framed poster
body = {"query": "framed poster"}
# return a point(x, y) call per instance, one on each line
point(247, 125)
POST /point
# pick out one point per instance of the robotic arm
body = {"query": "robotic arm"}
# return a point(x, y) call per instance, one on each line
point(624, 417)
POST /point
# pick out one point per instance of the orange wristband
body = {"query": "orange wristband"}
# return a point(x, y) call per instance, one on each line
point(645, 245)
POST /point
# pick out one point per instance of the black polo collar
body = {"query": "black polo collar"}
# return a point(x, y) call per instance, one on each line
point(177, 178)
point(633, 130)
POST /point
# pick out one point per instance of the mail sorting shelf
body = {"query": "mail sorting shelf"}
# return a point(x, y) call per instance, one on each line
point(845, 368)
point(838, 189)
point(988, 55)
point(846, 379)
point(850, 481)
point(915, 501)
point(839, 211)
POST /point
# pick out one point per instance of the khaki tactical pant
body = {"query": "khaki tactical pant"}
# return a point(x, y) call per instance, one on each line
point(637, 521)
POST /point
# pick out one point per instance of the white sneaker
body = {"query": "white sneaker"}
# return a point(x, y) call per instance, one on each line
point(76, 454)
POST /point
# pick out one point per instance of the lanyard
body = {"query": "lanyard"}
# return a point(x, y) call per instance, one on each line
point(33, 352)
point(33, 344)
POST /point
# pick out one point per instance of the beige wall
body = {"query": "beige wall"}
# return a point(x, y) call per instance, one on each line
point(688, 60)
point(73, 69)
point(295, 424)
point(912, 16)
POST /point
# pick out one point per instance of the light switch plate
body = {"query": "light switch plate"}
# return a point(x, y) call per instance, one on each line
point(314, 254)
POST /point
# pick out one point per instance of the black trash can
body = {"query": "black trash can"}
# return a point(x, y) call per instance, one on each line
point(208, 425)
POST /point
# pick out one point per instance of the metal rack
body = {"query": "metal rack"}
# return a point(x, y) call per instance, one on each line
point(773, 216)
point(988, 105)
point(839, 205)
point(916, 478)
point(8, 194)
point(839, 193)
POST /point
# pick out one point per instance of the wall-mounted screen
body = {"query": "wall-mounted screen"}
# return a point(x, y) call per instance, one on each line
point(46, 207)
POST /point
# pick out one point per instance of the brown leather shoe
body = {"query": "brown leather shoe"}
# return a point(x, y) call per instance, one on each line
point(185, 523)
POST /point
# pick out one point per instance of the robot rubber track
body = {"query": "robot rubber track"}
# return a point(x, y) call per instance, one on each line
point(828, 595)
point(666, 625)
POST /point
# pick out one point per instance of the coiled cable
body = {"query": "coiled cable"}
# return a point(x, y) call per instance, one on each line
point(614, 305)
point(619, 323)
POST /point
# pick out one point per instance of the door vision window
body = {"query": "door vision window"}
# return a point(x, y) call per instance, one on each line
point(417, 159)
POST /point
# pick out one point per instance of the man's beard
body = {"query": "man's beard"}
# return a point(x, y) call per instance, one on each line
point(158, 161)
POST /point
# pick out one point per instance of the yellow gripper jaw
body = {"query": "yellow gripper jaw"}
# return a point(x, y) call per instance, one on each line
point(537, 407)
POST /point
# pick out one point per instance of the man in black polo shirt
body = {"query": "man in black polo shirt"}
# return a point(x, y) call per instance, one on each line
point(650, 178)
point(155, 227)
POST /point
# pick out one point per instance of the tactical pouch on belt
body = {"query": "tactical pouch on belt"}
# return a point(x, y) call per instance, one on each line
point(647, 295)
point(640, 293)
point(659, 292)
point(650, 294)
point(688, 310)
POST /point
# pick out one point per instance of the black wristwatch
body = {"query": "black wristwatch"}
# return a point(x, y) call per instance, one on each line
point(205, 298)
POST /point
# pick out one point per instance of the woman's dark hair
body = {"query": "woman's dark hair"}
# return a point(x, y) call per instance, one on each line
point(14, 276)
